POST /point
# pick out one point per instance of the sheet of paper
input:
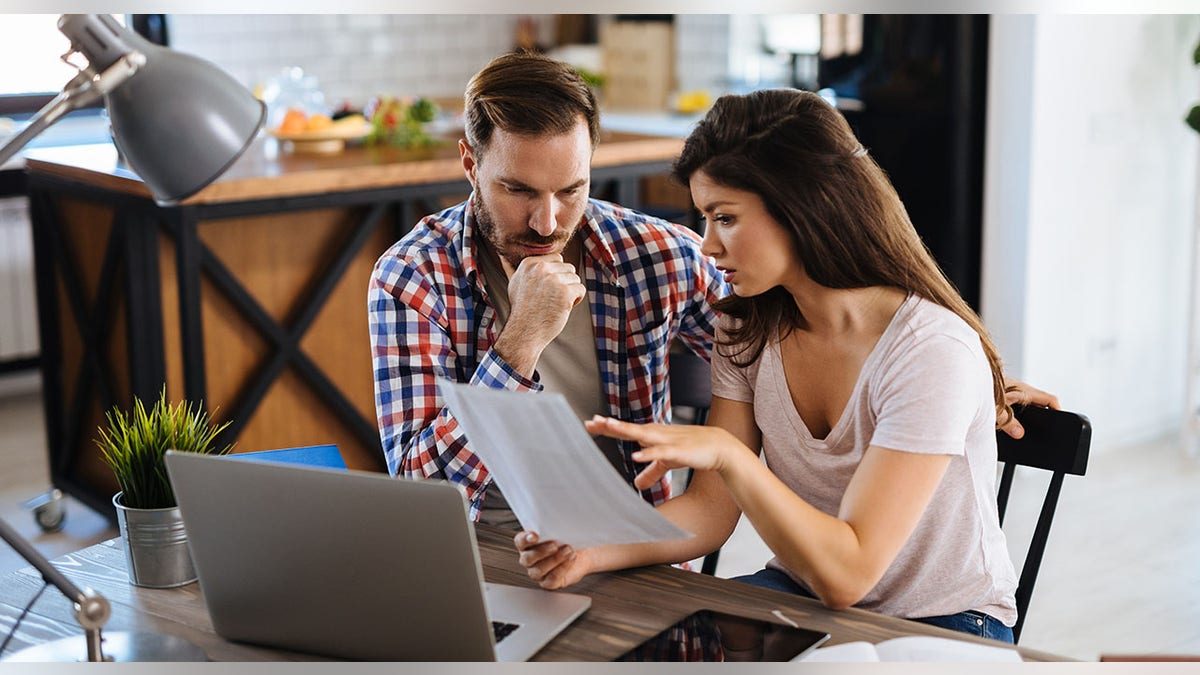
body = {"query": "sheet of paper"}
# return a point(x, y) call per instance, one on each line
point(847, 652)
point(929, 648)
point(556, 480)
point(924, 648)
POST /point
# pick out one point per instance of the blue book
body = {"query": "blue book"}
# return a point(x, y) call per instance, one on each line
point(313, 455)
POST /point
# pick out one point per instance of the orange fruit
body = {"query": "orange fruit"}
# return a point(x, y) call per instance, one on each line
point(318, 123)
point(294, 122)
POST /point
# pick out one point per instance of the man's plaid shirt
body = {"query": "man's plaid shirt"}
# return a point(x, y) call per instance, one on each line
point(430, 317)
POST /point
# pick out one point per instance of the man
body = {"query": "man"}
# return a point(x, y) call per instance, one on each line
point(531, 285)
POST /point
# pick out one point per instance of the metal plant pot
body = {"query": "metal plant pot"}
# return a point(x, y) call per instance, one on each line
point(156, 549)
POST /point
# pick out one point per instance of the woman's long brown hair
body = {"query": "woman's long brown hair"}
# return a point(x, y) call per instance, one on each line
point(850, 228)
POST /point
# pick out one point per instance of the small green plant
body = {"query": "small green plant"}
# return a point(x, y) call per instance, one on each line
point(590, 77)
point(135, 445)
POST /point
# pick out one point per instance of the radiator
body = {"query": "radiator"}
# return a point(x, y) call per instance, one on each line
point(18, 308)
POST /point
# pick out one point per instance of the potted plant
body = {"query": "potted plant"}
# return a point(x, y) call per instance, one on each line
point(135, 445)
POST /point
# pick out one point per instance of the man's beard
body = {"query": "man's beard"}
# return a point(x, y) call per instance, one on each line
point(507, 248)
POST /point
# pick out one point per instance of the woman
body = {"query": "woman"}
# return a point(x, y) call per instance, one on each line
point(845, 354)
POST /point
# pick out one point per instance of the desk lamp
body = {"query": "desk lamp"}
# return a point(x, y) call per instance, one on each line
point(179, 122)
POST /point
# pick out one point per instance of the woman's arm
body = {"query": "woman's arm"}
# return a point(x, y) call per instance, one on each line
point(840, 558)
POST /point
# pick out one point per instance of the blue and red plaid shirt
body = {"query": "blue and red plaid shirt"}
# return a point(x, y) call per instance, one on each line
point(430, 317)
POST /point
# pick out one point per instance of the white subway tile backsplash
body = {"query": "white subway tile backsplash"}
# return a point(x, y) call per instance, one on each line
point(319, 22)
point(234, 24)
point(363, 21)
point(380, 44)
point(343, 45)
point(356, 56)
point(404, 20)
point(269, 22)
point(443, 21)
point(260, 51)
point(436, 41)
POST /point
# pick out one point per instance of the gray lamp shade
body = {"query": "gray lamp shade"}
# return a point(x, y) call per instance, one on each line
point(179, 121)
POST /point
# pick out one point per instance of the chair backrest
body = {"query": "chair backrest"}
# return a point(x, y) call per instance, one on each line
point(1054, 440)
point(691, 383)
point(691, 387)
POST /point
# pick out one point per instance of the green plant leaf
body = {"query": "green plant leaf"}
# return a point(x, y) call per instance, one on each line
point(423, 110)
point(1196, 55)
point(1193, 118)
point(590, 77)
point(134, 445)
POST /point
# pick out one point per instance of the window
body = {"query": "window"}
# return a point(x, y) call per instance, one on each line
point(34, 42)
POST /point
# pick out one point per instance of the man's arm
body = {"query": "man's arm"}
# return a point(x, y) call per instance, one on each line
point(542, 290)
point(412, 345)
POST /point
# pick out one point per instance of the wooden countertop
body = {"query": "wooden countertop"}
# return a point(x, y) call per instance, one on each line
point(267, 171)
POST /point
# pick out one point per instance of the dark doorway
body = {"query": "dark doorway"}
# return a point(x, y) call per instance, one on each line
point(923, 83)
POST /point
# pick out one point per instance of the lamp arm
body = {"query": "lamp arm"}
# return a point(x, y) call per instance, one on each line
point(84, 89)
point(49, 114)
point(91, 609)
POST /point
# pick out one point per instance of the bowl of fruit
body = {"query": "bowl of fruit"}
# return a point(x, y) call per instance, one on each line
point(319, 133)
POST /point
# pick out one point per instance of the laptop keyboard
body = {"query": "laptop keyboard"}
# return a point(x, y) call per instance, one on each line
point(502, 630)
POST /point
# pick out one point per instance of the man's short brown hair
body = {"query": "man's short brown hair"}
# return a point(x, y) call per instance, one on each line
point(529, 94)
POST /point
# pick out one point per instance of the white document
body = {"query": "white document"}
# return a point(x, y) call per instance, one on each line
point(556, 480)
point(913, 648)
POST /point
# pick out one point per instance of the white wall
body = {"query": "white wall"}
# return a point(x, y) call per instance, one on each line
point(702, 43)
point(354, 56)
point(1090, 190)
point(18, 302)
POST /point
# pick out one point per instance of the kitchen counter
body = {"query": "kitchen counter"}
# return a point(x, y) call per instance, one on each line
point(267, 171)
point(249, 296)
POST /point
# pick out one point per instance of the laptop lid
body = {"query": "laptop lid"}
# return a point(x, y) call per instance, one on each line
point(339, 563)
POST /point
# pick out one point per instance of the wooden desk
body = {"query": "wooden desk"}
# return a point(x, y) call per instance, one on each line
point(249, 296)
point(627, 607)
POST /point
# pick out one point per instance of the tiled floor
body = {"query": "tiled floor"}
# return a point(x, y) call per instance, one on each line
point(1120, 574)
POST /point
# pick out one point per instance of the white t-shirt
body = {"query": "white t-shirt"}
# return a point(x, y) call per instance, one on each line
point(925, 387)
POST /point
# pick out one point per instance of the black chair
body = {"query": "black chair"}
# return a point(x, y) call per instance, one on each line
point(691, 387)
point(691, 384)
point(1056, 441)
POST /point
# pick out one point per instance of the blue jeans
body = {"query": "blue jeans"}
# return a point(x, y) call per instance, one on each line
point(970, 621)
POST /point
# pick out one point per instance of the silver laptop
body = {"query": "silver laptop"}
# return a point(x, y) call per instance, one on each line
point(353, 565)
